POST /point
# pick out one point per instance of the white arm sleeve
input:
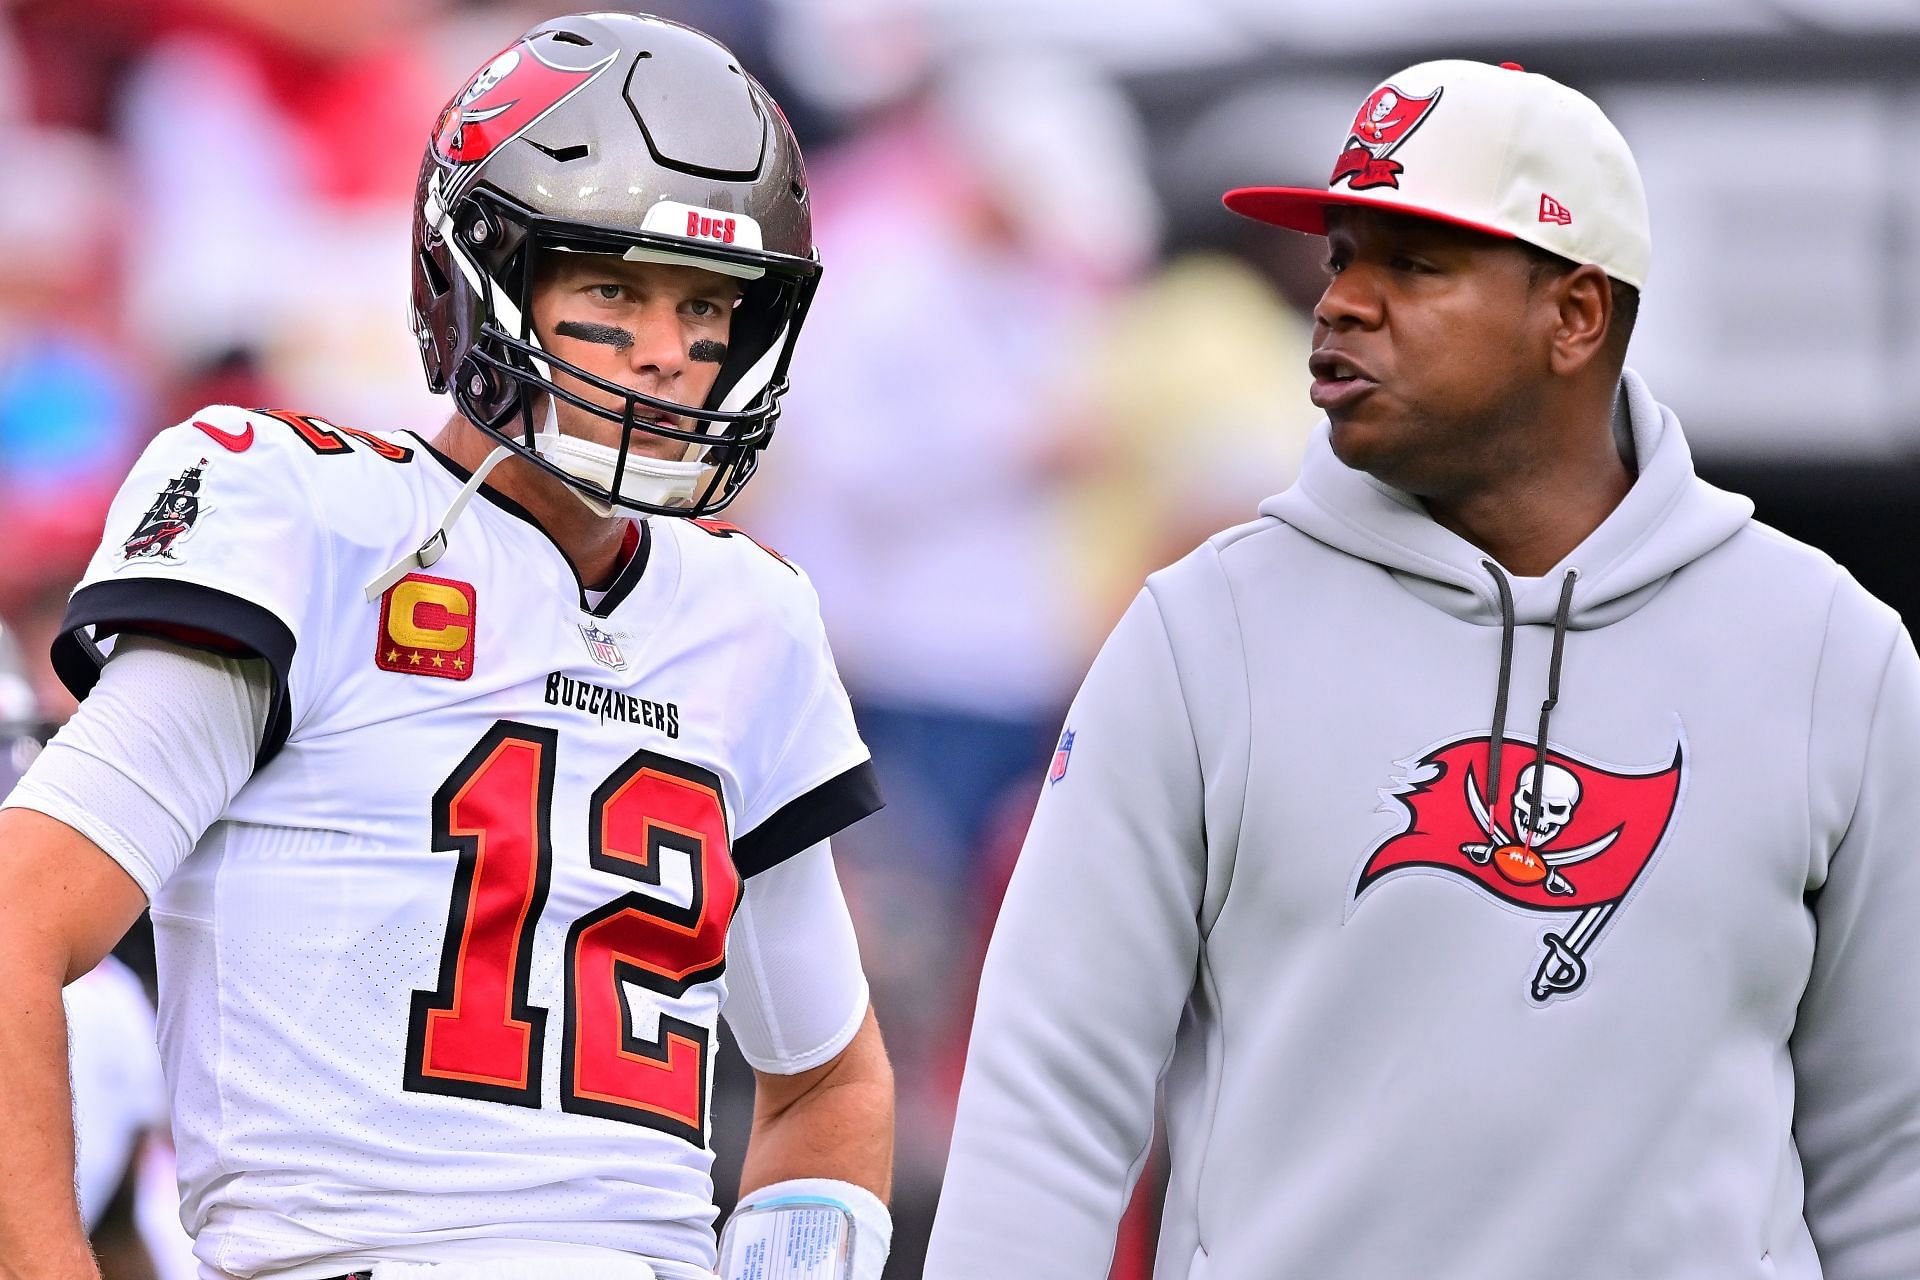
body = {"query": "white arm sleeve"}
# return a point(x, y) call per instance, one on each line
point(796, 993)
point(154, 755)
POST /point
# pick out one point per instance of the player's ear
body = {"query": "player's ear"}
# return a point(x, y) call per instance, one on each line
point(1582, 308)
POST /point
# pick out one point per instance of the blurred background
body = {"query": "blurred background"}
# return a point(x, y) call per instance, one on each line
point(1043, 361)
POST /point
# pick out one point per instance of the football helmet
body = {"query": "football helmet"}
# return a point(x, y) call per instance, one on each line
point(620, 134)
point(21, 731)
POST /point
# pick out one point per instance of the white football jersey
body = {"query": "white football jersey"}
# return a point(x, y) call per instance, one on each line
point(450, 966)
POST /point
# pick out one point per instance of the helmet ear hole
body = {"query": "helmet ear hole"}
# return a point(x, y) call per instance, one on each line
point(431, 274)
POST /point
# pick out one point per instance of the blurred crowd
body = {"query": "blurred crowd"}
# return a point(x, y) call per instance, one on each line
point(1016, 395)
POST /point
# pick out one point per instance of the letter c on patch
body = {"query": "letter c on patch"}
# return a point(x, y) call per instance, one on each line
point(428, 615)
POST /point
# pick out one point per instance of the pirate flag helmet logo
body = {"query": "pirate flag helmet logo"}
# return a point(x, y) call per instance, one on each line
point(508, 96)
point(1564, 837)
point(1385, 120)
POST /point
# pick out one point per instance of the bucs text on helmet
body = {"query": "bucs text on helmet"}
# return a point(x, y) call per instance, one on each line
point(629, 135)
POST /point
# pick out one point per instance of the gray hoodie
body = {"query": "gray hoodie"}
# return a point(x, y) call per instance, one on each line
point(1477, 929)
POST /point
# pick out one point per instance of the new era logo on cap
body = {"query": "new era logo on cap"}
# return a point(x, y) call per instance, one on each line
point(1495, 149)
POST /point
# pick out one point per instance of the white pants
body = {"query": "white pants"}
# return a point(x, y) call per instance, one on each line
point(494, 1260)
point(612, 1268)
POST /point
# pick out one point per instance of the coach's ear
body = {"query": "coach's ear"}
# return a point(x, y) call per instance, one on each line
point(1582, 310)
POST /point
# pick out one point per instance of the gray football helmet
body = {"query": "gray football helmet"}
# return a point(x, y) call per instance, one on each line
point(621, 134)
point(21, 730)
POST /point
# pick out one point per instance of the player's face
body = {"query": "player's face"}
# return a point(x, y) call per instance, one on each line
point(657, 328)
point(1430, 351)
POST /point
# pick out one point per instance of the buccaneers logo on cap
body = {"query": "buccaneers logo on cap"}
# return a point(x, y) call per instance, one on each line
point(1385, 120)
point(509, 95)
point(1563, 837)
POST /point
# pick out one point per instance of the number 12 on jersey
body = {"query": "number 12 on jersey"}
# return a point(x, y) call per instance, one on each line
point(476, 1035)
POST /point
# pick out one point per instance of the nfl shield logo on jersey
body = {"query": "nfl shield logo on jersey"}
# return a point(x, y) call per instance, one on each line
point(604, 648)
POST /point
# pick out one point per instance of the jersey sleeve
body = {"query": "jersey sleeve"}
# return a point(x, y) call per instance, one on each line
point(211, 542)
point(1856, 1042)
point(820, 778)
point(796, 993)
point(1092, 960)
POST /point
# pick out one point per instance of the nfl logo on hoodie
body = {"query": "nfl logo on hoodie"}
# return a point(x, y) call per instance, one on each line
point(1061, 755)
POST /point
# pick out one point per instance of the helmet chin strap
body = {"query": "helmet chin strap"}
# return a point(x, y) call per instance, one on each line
point(435, 546)
point(661, 481)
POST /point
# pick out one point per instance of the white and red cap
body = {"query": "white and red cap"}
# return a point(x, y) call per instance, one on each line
point(1493, 148)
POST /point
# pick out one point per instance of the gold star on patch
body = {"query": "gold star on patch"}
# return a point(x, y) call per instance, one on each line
point(414, 659)
point(459, 664)
point(393, 655)
point(439, 661)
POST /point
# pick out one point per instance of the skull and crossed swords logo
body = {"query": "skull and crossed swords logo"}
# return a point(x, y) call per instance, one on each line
point(1543, 805)
point(1562, 812)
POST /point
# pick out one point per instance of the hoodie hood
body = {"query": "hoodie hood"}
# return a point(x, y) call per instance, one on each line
point(1669, 518)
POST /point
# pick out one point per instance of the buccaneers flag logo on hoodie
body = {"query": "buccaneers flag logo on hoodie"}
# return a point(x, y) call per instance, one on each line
point(1561, 836)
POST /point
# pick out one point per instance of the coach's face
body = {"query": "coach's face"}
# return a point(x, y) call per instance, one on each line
point(1430, 351)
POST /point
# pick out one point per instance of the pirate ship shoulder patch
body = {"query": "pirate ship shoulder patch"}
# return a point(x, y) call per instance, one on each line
point(1554, 834)
point(169, 521)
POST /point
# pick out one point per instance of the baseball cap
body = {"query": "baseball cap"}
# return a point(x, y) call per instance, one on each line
point(1497, 149)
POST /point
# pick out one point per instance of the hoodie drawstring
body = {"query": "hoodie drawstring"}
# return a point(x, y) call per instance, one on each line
point(1560, 621)
point(1500, 689)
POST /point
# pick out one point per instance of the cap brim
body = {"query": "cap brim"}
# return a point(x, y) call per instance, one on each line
point(1305, 209)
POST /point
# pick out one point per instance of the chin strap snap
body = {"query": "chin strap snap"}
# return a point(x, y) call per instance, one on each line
point(436, 544)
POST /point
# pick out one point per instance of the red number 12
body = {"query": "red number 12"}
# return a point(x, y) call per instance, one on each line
point(475, 1035)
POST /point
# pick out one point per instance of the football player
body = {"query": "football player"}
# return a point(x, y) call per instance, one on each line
point(463, 820)
point(118, 1097)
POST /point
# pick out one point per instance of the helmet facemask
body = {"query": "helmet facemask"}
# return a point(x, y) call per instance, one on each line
point(496, 248)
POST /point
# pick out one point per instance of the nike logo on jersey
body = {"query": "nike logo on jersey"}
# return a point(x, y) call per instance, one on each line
point(234, 441)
